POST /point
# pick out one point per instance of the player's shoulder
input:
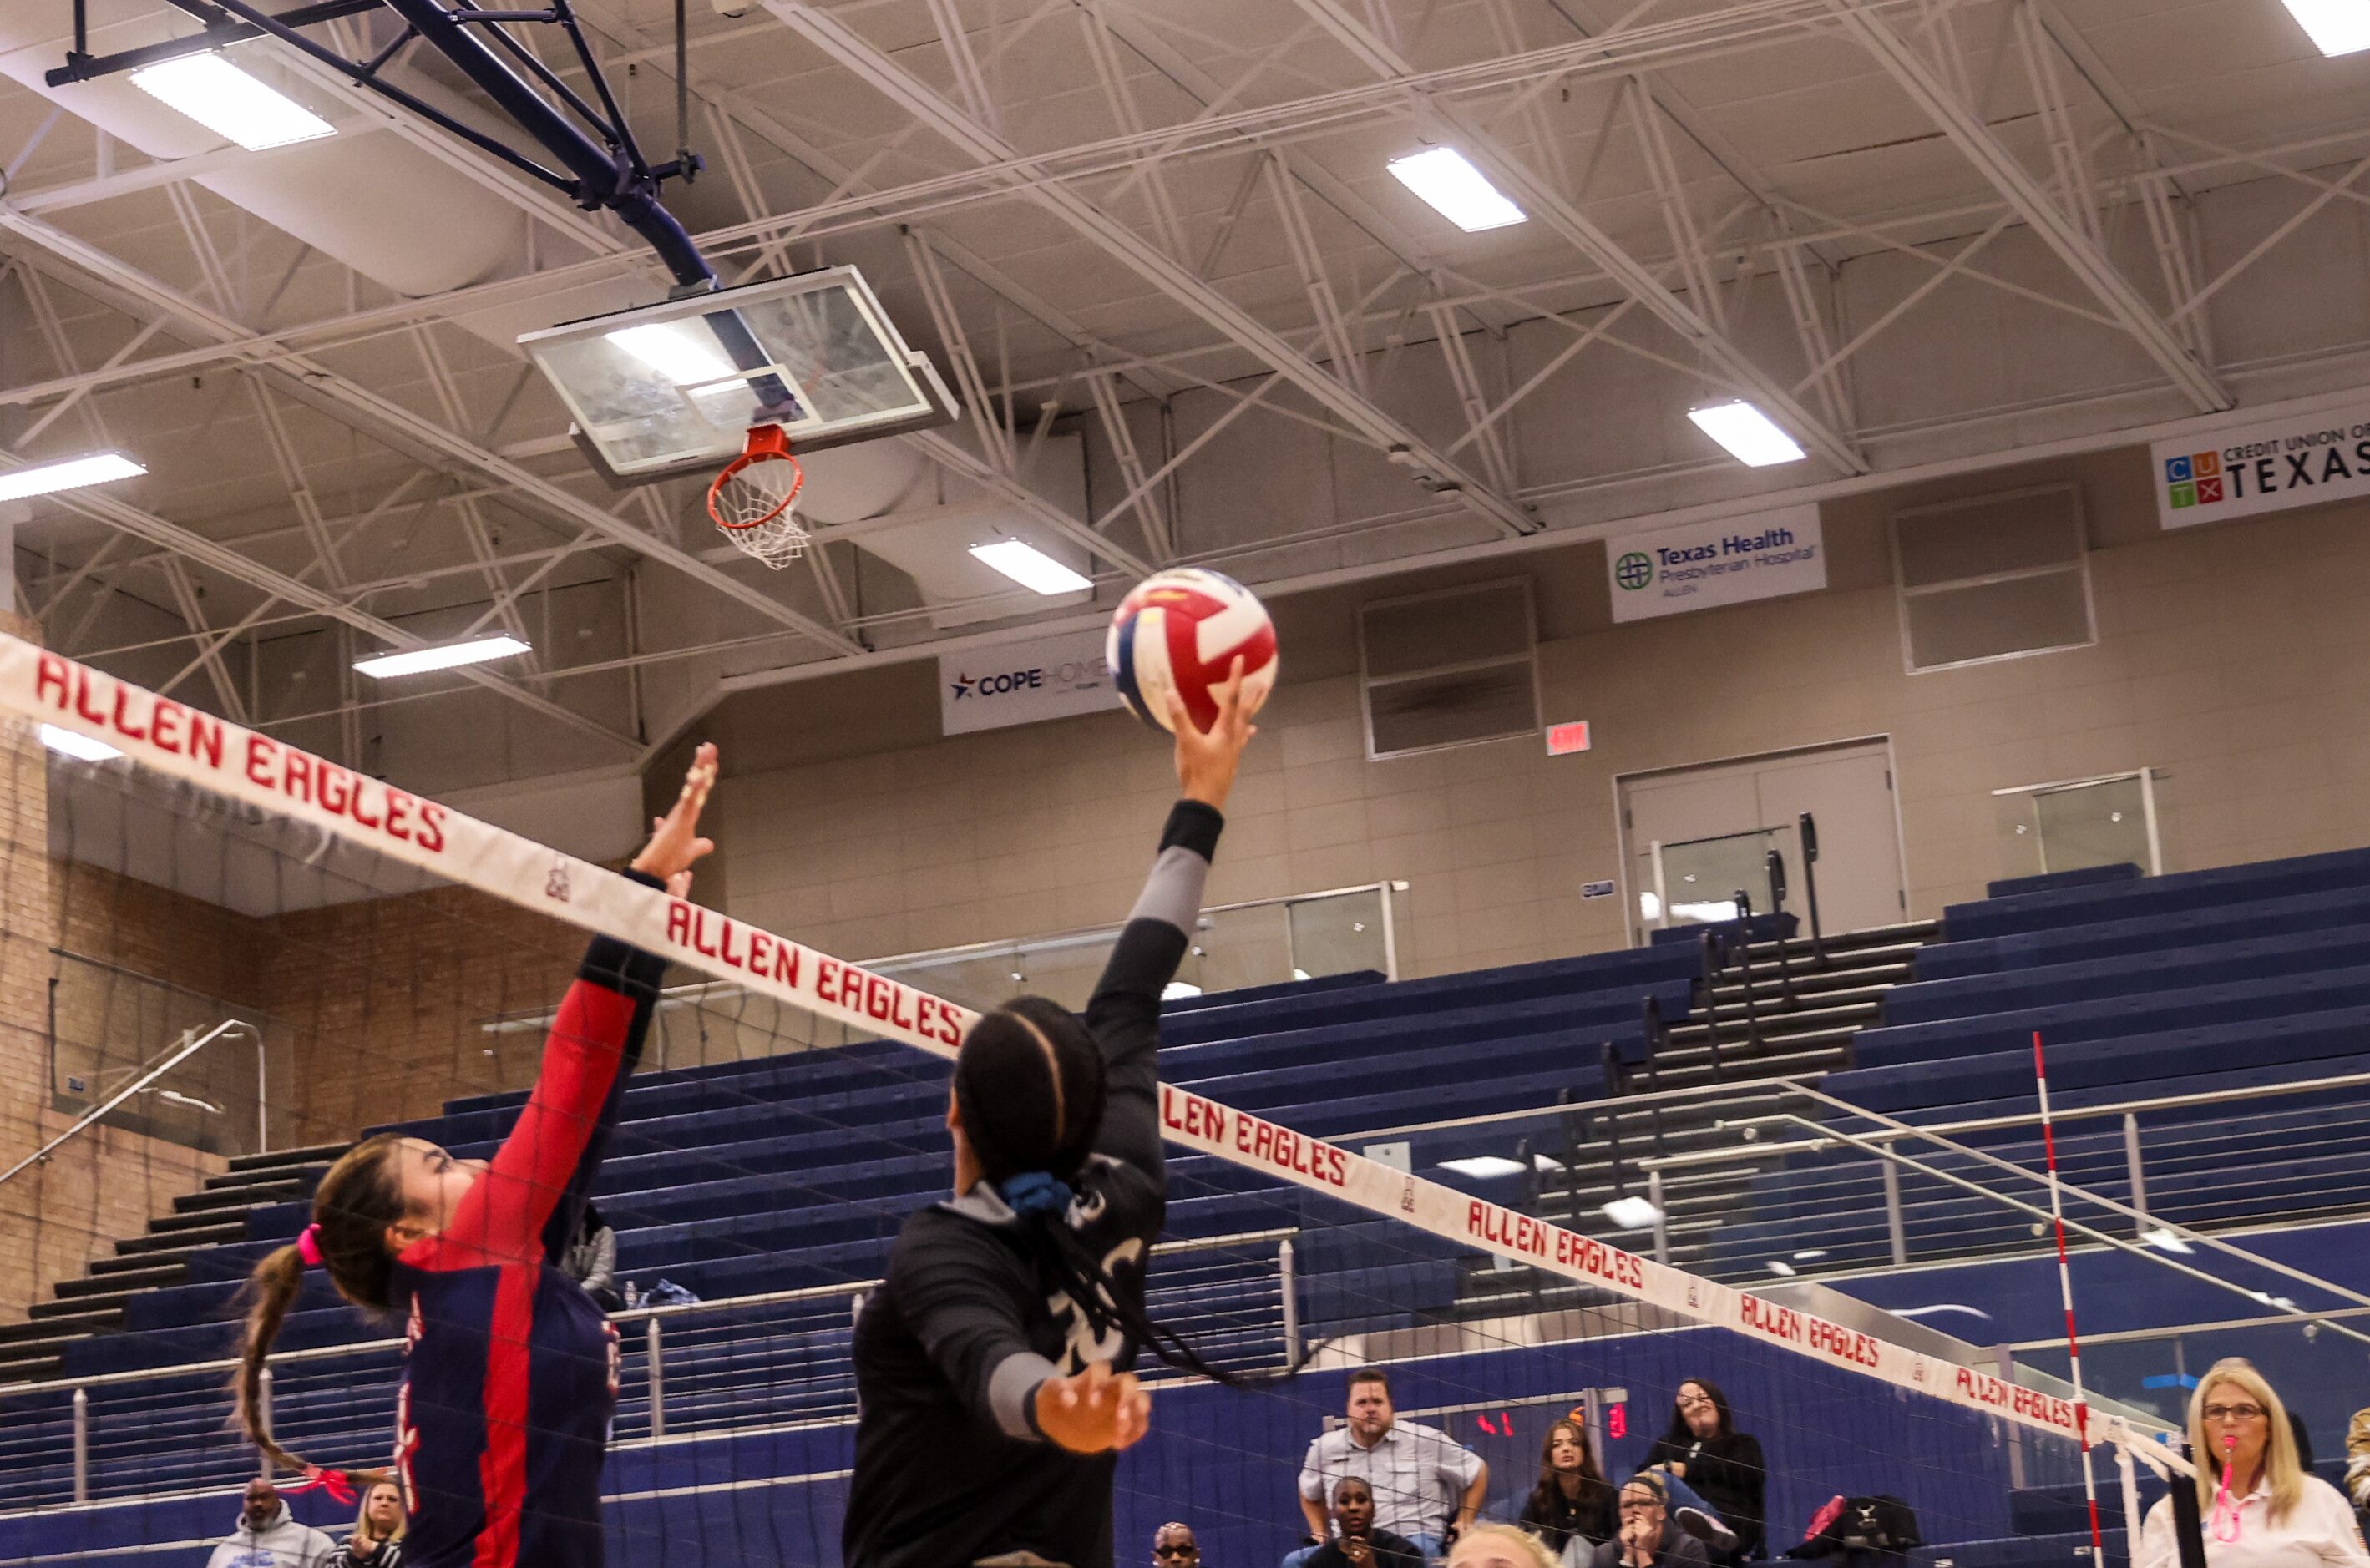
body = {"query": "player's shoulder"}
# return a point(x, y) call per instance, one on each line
point(1113, 1195)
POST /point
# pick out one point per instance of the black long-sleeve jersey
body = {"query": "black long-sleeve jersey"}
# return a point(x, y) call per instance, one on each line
point(950, 1468)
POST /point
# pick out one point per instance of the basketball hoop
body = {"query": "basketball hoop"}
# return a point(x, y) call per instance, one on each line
point(751, 499)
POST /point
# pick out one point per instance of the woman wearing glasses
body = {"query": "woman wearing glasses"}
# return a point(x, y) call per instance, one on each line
point(1718, 1463)
point(2258, 1507)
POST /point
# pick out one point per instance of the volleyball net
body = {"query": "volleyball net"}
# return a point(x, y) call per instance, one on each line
point(223, 958)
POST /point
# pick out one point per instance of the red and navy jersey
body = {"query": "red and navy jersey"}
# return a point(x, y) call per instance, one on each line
point(509, 1374)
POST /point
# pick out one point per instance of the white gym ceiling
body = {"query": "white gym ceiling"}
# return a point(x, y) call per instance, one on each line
point(1922, 233)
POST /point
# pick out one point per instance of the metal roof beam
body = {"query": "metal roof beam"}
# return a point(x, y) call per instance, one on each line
point(99, 506)
point(310, 382)
point(2060, 233)
point(1536, 196)
point(983, 148)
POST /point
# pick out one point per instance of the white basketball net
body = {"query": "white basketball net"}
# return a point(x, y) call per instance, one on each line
point(742, 500)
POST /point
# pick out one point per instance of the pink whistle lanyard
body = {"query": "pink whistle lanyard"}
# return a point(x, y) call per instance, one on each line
point(2225, 1513)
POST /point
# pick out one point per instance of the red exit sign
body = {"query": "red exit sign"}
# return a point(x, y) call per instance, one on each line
point(1563, 739)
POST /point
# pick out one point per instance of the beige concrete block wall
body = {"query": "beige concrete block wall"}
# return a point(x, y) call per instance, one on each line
point(2236, 659)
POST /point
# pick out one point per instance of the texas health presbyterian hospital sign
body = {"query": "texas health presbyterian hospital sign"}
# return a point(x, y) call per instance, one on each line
point(1704, 564)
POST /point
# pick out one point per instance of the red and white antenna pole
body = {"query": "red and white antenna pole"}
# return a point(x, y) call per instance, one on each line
point(2065, 1296)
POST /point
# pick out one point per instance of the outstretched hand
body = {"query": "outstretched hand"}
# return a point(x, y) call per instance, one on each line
point(1096, 1411)
point(675, 841)
point(1206, 762)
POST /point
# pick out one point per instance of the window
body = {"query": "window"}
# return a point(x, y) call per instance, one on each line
point(1449, 668)
point(1996, 577)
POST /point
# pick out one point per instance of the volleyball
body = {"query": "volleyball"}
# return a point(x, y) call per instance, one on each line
point(1180, 631)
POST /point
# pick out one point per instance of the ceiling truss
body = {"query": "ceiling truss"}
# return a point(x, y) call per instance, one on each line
point(2091, 162)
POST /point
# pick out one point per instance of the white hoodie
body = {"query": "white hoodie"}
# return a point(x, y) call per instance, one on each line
point(283, 1543)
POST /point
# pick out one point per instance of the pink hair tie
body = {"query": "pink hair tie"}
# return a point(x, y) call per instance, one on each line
point(308, 1245)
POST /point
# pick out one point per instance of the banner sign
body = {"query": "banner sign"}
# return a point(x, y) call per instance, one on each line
point(2268, 466)
point(1705, 563)
point(1024, 681)
point(183, 743)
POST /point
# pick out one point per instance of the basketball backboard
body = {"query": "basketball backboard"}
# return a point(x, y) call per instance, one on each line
point(674, 388)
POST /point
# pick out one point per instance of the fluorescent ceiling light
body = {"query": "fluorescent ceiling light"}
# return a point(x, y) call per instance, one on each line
point(685, 352)
point(1030, 566)
point(1632, 1213)
point(1456, 190)
point(1481, 1167)
point(73, 743)
point(2335, 27)
point(1176, 988)
point(2165, 1240)
point(1748, 434)
point(420, 661)
point(1779, 1267)
point(1810, 1255)
point(230, 103)
point(70, 475)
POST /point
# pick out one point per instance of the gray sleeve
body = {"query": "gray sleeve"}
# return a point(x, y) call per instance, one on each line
point(1173, 894)
point(1012, 1390)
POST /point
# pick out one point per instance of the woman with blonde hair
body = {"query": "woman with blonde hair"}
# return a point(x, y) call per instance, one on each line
point(1499, 1546)
point(2260, 1507)
point(377, 1541)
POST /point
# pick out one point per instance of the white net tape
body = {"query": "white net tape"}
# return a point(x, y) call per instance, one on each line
point(742, 500)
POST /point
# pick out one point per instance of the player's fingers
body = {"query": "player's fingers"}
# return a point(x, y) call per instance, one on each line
point(679, 885)
point(1180, 717)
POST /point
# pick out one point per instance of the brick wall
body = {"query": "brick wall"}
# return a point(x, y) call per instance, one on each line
point(56, 1216)
point(389, 999)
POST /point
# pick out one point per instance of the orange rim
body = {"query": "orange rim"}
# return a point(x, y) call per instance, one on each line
point(766, 444)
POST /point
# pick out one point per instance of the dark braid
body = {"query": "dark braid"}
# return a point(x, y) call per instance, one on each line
point(1030, 1083)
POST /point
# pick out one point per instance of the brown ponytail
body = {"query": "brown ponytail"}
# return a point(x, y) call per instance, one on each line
point(358, 1198)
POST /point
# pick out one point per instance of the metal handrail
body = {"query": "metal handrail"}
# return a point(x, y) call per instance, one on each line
point(630, 1314)
point(1756, 1150)
point(189, 1049)
point(696, 992)
point(2137, 1248)
point(1992, 1124)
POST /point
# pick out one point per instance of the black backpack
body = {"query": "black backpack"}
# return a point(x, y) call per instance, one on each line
point(1881, 1525)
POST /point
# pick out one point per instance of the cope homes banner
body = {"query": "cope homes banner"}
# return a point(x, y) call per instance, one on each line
point(1021, 683)
point(2262, 465)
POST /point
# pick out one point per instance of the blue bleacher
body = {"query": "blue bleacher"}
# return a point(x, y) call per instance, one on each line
point(789, 1173)
point(2233, 977)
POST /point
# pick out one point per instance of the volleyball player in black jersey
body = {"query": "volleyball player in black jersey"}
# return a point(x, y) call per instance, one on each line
point(992, 1364)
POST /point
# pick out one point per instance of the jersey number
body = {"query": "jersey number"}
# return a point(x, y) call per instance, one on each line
point(1081, 1344)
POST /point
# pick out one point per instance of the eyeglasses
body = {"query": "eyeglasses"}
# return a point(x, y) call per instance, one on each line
point(2235, 1412)
point(1173, 1551)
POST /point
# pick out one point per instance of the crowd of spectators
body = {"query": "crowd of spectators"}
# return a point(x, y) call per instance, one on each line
point(268, 1536)
point(1380, 1492)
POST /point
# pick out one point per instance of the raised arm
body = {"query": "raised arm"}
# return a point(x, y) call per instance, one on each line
point(1124, 1013)
point(531, 1199)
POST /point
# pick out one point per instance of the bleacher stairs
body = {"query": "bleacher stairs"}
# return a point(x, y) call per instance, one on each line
point(1774, 1010)
point(215, 1214)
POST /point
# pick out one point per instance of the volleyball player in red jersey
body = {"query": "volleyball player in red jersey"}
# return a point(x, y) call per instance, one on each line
point(509, 1370)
